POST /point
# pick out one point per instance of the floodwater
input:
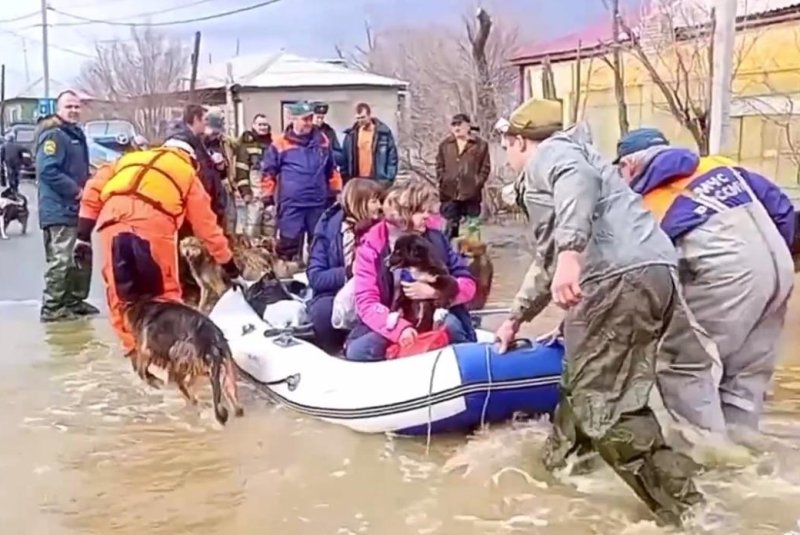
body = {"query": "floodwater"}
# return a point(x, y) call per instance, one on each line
point(86, 448)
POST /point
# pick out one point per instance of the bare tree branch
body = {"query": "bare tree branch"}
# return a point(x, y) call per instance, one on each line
point(689, 107)
point(141, 76)
point(449, 71)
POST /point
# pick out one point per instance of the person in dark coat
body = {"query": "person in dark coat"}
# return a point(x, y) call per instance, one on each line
point(12, 158)
point(320, 111)
point(62, 169)
point(330, 260)
point(369, 149)
point(222, 153)
point(191, 130)
point(463, 166)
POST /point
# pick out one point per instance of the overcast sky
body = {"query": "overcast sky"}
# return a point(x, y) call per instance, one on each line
point(305, 27)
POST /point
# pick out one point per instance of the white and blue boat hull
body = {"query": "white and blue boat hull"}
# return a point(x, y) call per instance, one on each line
point(454, 389)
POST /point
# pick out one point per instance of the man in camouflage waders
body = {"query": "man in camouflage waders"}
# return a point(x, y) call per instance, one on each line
point(603, 258)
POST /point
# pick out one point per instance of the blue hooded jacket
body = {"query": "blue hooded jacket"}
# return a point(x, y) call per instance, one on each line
point(326, 271)
point(684, 214)
point(303, 166)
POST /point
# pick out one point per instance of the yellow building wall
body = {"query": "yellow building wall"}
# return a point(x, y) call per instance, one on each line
point(767, 64)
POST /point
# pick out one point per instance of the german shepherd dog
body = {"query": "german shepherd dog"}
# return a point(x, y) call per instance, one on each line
point(13, 207)
point(414, 253)
point(188, 345)
point(481, 267)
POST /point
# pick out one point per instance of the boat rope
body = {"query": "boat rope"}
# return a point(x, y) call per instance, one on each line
point(429, 432)
point(488, 388)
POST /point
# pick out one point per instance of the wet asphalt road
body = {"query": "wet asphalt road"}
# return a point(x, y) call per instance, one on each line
point(22, 262)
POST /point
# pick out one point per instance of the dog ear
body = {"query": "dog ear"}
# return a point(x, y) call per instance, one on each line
point(479, 249)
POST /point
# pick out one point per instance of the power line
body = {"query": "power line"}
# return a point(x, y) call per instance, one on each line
point(137, 16)
point(19, 18)
point(172, 22)
point(63, 49)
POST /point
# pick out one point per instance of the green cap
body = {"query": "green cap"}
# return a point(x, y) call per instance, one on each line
point(535, 119)
point(300, 108)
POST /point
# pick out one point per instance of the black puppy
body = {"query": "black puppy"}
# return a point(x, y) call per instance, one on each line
point(188, 345)
point(13, 207)
point(415, 254)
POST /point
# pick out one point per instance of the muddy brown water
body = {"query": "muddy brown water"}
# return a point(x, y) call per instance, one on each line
point(86, 448)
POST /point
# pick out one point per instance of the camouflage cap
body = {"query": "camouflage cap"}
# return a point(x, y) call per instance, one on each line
point(535, 119)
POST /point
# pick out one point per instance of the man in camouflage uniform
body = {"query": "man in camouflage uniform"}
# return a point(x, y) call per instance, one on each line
point(62, 169)
point(250, 211)
point(602, 257)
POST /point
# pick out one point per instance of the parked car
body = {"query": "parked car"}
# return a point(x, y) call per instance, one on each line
point(108, 132)
point(100, 154)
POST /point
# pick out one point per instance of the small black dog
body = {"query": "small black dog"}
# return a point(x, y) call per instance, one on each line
point(13, 207)
point(414, 253)
point(188, 345)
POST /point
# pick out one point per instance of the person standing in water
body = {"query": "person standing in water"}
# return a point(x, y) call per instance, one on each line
point(602, 257)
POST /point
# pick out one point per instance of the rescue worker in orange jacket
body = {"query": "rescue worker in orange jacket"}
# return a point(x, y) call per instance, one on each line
point(137, 206)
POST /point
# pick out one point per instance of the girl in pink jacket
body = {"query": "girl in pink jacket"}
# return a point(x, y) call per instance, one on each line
point(408, 208)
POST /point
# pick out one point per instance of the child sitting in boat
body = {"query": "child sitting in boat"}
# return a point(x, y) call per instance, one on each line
point(408, 208)
point(330, 259)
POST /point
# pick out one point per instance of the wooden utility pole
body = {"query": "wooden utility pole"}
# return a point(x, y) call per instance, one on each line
point(195, 61)
point(2, 98)
point(45, 51)
point(619, 74)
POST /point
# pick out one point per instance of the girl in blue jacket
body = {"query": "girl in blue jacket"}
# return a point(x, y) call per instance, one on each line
point(330, 262)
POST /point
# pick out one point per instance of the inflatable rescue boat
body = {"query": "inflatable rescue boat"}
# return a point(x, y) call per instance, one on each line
point(455, 389)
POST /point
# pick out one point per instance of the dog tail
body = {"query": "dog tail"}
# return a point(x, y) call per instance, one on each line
point(220, 412)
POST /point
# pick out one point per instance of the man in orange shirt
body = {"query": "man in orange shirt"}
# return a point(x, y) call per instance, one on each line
point(137, 205)
point(369, 149)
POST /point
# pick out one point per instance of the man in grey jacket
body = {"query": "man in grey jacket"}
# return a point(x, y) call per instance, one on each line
point(602, 257)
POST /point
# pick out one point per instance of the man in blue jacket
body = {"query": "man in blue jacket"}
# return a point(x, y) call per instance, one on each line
point(732, 229)
point(62, 168)
point(300, 178)
point(369, 149)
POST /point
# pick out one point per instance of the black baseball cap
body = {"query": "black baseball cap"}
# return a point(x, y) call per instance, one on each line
point(320, 108)
point(459, 118)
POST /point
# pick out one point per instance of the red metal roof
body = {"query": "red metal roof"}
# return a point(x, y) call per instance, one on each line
point(594, 36)
point(590, 37)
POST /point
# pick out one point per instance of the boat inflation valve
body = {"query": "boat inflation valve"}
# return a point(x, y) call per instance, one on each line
point(247, 329)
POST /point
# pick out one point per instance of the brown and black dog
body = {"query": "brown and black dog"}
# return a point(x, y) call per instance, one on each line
point(414, 253)
point(481, 267)
point(255, 258)
point(188, 346)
